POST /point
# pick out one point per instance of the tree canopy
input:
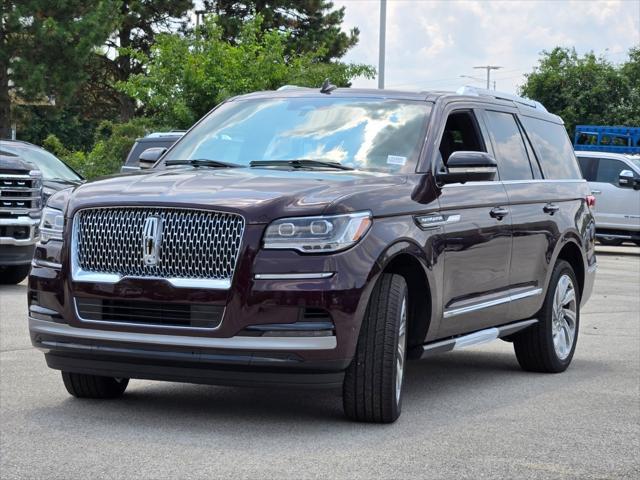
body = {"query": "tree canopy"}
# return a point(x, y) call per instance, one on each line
point(187, 75)
point(312, 25)
point(587, 89)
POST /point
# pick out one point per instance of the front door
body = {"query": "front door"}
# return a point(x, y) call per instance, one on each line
point(477, 236)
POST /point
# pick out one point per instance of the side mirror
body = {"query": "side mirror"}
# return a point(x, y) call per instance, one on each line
point(150, 156)
point(465, 167)
point(627, 179)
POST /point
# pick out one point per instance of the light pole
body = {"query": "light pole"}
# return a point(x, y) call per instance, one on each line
point(383, 28)
point(488, 68)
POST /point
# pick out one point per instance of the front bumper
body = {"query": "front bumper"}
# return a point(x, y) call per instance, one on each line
point(24, 224)
point(243, 361)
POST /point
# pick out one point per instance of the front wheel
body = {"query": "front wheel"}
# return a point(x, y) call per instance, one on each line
point(14, 274)
point(549, 345)
point(372, 390)
point(610, 241)
point(81, 385)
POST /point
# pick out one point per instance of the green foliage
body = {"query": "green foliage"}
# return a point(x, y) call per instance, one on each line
point(587, 89)
point(186, 76)
point(45, 46)
point(312, 25)
point(113, 141)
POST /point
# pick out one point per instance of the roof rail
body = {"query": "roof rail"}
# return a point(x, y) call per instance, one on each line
point(288, 87)
point(469, 90)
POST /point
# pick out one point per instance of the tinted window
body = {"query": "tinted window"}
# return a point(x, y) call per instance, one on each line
point(460, 134)
point(588, 167)
point(363, 133)
point(511, 154)
point(51, 167)
point(609, 170)
point(553, 148)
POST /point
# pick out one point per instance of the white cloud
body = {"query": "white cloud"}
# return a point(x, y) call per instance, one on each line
point(431, 43)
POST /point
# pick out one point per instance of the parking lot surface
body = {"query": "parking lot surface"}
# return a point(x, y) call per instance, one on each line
point(469, 414)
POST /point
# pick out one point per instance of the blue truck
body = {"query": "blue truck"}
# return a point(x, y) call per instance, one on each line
point(599, 138)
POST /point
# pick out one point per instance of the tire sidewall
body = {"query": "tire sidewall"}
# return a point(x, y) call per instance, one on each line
point(403, 298)
point(562, 268)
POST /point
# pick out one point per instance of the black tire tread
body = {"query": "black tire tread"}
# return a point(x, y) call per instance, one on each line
point(93, 386)
point(368, 393)
point(12, 275)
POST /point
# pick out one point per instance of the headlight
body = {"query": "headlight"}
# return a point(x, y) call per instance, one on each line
point(318, 234)
point(51, 224)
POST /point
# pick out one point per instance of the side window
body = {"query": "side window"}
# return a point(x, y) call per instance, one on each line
point(461, 133)
point(588, 167)
point(511, 153)
point(553, 148)
point(609, 170)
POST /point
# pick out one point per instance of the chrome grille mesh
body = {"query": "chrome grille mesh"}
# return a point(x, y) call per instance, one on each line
point(195, 244)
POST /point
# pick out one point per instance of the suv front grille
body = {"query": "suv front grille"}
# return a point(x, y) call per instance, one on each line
point(193, 244)
point(186, 315)
point(19, 194)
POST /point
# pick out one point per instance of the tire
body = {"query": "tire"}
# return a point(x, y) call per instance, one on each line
point(610, 241)
point(93, 386)
point(372, 389)
point(14, 274)
point(541, 348)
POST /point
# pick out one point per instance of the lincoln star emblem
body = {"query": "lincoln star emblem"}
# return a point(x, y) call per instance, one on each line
point(151, 240)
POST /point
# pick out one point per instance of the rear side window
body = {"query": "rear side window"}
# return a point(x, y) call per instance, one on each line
point(588, 167)
point(609, 170)
point(511, 153)
point(553, 148)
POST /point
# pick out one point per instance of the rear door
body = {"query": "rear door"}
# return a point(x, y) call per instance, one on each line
point(533, 226)
point(477, 238)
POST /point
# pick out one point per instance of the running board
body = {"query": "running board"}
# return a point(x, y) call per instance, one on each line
point(475, 338)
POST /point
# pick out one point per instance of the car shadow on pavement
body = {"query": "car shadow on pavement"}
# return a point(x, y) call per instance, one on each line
point(443, 387)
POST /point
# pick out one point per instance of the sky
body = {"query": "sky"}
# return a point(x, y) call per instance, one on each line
point(431, 43)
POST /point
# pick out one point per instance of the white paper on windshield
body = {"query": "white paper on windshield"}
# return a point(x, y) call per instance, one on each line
point(396, 160)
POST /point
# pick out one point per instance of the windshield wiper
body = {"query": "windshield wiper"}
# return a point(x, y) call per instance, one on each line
point(201, 162)
point(299, 163)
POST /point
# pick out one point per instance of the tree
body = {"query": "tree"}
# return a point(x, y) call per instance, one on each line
point(312, 25)
point(138, 23)
point(187, 75)
point(586, 89)
point(44, 48)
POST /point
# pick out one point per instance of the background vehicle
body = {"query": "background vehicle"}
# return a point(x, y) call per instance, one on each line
point(153, 140)
point(321, 238)
point(615, 181)
point(600, 138)
point(28, 176)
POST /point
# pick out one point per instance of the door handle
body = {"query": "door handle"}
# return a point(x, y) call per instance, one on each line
point(551, 208)
point(499, 212)
point(596, 192)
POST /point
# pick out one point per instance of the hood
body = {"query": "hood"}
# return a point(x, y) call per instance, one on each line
point(259, 194)
point(14, 164)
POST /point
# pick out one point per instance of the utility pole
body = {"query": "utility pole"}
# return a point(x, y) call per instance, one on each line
point(383, 28)
point(488, 68)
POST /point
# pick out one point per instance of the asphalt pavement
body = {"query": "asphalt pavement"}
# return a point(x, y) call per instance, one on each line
point(470, 414)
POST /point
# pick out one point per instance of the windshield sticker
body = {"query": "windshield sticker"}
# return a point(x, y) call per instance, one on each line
point(396, 160)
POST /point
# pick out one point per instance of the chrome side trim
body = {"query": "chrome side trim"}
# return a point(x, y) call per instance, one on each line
point(492, 303)
point(232, 343)
point(435, 220)
point(475, 338)
point(292, 276)
point(515, 182)
point(613, 235)
point(44, 263)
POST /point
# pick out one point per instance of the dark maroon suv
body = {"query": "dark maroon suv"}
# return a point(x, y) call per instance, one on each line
point(321, 238)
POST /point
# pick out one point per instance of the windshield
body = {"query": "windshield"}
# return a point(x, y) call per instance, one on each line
point(361, 133)
point(635, 161)
point(51, 167)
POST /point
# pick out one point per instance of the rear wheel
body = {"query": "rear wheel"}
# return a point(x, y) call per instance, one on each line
point(549, 345)
point(372, 390)
point(81, 385)
point(14, 274)
point(610, 241)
